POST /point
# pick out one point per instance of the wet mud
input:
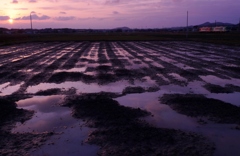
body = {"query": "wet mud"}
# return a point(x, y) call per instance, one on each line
point(199, 80)
point(56, 91)
point(228, 88)
point(199, 106)
point(9, 112)
point(119, 130)
point(115, 61)
point(21, 143)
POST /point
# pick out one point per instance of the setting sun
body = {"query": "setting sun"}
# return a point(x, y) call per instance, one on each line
point(10, 21)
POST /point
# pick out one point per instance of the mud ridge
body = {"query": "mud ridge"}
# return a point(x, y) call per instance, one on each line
point(119, 131)
point(196, 105)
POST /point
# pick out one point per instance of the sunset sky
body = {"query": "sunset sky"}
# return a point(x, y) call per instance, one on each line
point(115, 13)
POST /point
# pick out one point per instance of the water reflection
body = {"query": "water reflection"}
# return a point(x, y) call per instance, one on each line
point(233, 98)
point(4, 85)
point(225, 136)
point(6, 89)
point(116, 87)
point(178, 77)
point(71, 70)
point(163, 115)
point(50, 116)
point(218, 81)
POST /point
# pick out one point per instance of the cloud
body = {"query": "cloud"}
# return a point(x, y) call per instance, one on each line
point(64, 7)
point(46, 8)
point(62, 12)
point(34, 17)
point(65, 18)
point(115, 12)
point(72, 7)
point(20, 8)
point(52, 0)
point(43, 17)
point(93, 18)
point(32, 1)
point(112, 1)
point(15, 1)
point(3, 18)
point(177, 0)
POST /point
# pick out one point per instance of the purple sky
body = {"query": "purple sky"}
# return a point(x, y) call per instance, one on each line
point(116, 13)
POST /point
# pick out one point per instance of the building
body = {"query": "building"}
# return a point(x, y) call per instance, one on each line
point(219, 29)
point(205, 29)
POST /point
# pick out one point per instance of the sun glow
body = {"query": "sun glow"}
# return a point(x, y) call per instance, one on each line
point(10, 21)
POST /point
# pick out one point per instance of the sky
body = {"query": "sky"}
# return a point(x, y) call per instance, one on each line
point(107, 14)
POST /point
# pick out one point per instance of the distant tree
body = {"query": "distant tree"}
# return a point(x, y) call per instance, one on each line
point(118, 30)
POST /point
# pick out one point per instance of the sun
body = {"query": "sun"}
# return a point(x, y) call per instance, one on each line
point(10, 21)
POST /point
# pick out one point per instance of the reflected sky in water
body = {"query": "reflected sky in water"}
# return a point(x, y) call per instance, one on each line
point(218, 81)
point(7, 89)
point(115, 87)
point(225, 136)
point(50, 116)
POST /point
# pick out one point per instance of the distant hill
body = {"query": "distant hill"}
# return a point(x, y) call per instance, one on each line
point(122, 28)
point(208, 24)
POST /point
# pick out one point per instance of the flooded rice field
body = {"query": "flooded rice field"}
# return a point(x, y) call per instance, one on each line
point(119, 98)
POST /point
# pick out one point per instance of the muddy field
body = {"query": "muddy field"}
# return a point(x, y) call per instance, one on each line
point(119, 98)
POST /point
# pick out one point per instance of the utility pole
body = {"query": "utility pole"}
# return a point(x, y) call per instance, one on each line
point(31, 22)
point(187, 26)
point(239, 25)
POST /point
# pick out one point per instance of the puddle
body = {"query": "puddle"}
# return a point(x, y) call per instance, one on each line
point(92, 65)
point(26, 70)
point(224, 136)
point(6, 89)
point(115, 87)
point(157, 65)
point(146, 82)
point(50, 116)
point(4, 85)
point(15, 60)
point(183, 66)
point(91, 73)
point(147, 59)
point(165, 59)
point(136, 66)
point(197, 87)
point(178, 77)
point(163, 115)
point(218, 81)
point(72, 70)
point(233, 98)
point(81, 87)
point(163, 77)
